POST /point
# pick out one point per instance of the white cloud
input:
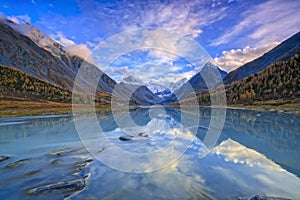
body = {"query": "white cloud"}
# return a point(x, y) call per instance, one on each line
point(187, 17)
point(231, 60)
point(63, 40)
point(270, 21)
point(80, 50)
point(237, 153)
point(117, 71)
point(164, 46)
point(19, 19)
point(72, 48)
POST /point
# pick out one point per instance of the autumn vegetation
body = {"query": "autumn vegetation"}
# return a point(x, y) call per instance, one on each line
point(17, 84)
point(278, 84)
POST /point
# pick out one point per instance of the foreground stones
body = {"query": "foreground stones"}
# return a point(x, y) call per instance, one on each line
point(69, 170)
point(125, 137)
point(262, 197)
point(70, 185)
point(3, 158)
point(129, 137)
point(17, 163)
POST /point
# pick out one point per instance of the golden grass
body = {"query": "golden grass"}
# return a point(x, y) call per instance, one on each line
point(22, 108)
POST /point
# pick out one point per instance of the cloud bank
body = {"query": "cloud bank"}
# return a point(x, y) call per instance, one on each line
point(234, 58)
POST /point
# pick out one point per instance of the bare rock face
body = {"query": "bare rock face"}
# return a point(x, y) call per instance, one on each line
point(38, 55)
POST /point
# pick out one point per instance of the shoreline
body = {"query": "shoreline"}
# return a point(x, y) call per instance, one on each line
point(32, 108)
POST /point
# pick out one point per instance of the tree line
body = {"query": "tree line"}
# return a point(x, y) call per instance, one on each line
point(17, 84)
point(279, 80)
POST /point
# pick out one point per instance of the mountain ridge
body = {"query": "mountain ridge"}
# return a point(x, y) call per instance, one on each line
point(281, 52)
point(197, 83)
point(22, 53)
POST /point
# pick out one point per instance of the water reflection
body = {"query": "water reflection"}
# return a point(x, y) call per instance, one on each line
point(254, 154)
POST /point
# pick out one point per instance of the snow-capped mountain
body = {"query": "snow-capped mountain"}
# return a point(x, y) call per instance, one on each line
point(133, 80)
point(158, 89)
point(164, 90)
point(134, 89)
point(197, 82)
point(174, 86)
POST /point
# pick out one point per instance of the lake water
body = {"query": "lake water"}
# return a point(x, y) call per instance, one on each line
point(45, 157)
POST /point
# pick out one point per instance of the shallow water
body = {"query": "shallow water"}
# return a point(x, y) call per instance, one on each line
point(46, 158)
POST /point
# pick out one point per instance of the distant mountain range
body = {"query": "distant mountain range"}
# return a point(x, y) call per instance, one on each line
point(46, 62)
point(197, 83)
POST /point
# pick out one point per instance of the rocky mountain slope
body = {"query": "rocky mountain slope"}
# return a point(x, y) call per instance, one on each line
point(282, 52)
point(49, 63)
point(197, 83)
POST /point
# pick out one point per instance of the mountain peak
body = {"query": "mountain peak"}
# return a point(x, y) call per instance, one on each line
point(130, 79)
point(40, 39)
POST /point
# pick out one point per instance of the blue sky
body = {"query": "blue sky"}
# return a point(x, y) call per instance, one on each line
point(233, 32)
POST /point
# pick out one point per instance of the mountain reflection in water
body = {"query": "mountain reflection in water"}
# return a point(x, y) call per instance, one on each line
point(257, 153)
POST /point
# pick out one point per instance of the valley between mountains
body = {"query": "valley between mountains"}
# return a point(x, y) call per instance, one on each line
point(37, 76)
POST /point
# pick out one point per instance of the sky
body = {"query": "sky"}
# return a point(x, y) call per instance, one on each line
point(232, 32)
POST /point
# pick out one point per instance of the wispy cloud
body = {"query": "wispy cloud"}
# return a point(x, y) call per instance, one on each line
point(247, 27)
point(231, 60)
point(145, 65)
point(72, 48)
point(19, 19)
point(271, 21)
point(105, 19)
point(187, 17)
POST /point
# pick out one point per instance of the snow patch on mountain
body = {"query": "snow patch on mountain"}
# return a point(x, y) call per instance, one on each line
point(174, 86)
point(158, 89)
point(133, 80)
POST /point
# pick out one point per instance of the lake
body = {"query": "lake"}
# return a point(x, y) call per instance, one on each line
point(150, 153)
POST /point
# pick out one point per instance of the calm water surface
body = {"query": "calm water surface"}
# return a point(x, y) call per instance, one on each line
point(257, 153)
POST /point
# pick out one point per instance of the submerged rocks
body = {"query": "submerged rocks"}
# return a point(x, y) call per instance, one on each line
point(125, 137)
point(71, 164)
point(17, 163)
point(142, 134)
point(65, 151)
point(102, 149)
point(262, 197)
point(258, 197)
point(3, 158)
point(130, 137)
point(70, 185)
